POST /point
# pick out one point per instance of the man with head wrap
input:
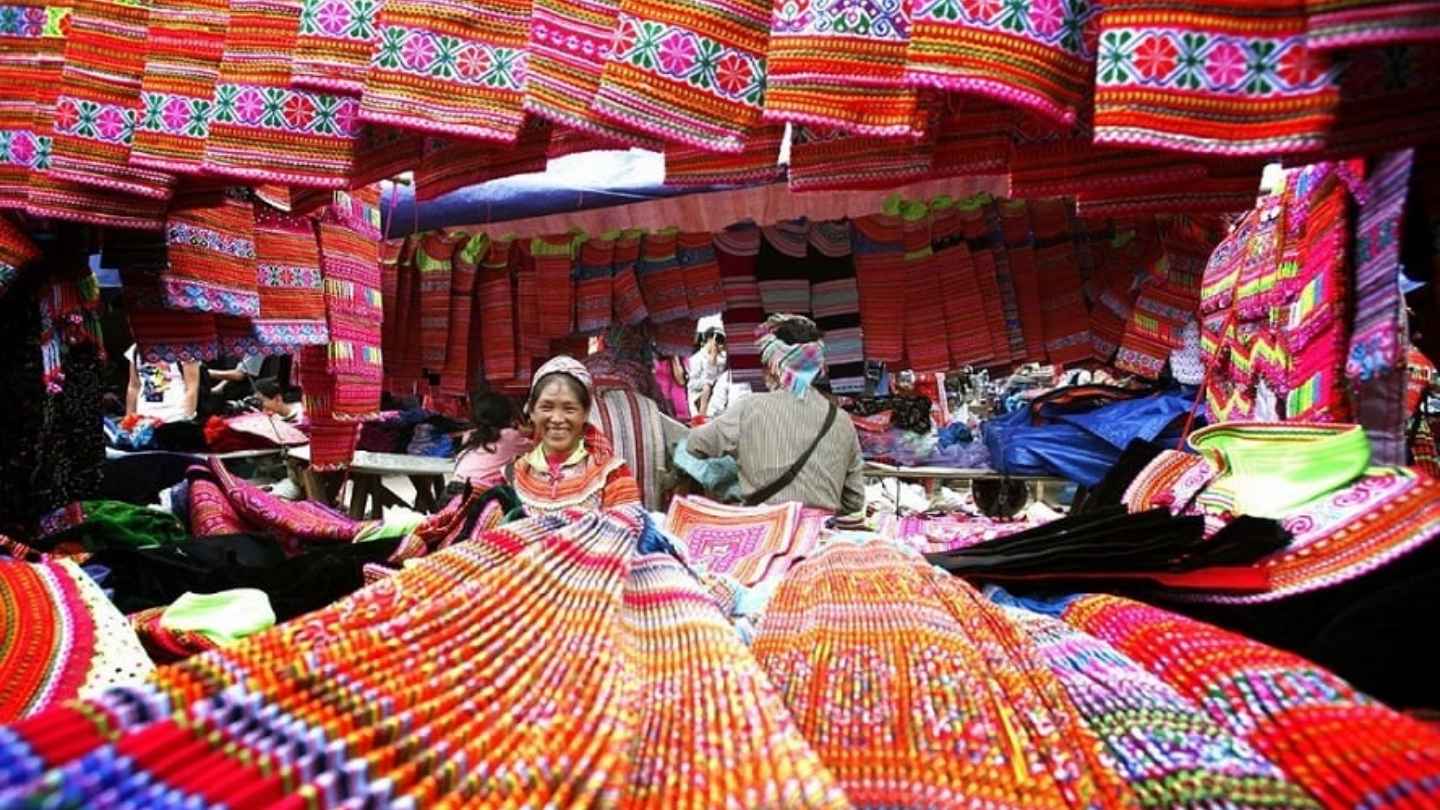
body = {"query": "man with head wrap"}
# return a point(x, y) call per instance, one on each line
point(791, 444)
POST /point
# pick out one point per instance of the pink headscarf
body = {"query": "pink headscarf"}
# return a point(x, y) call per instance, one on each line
point(564, 364)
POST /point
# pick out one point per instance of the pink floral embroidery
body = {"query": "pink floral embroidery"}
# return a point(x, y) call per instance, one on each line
point(347, 117)
point(1226, 65)
point(1047, 16)
point(982, 10)
point(176, 114)
point(418, 52)
point(1155, 58)
point(733, 74)
point(474, 62)
point(22, 149)
point(299, 112)
point(110, 124)
point(677, 54)
point(66, 116)
point(1299, 66)
point(249, 106)
point(334, 18)
point(32, 22)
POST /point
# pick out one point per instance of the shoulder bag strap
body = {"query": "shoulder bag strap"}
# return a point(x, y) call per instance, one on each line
point(768, 491)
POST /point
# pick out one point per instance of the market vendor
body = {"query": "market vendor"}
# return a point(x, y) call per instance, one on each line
point(791, 444)
point(572, 464)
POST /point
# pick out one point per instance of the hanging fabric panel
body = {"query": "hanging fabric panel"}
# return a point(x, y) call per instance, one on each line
point(880, 275)
point(593, 282)
point(182, 56)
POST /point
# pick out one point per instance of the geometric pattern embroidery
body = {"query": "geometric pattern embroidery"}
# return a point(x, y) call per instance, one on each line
point(272, 275)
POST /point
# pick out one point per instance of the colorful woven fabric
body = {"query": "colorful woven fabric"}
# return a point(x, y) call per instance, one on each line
point(495, 300)
point(287, 265)
point(967, 335)
point(163, 645)
point(95, 115)
point(783, 279)
point(975, 224)
point(293, 523)
point(554, 262)
point(569, 43)
point(45, 653)
point(1036, 55)
point(531, 349)
point(458, 378)
point(16, 251)
point(1225, 188)
point(757, 162)
point(916, 691)
point(599, 480)
point(835, 304)
point(433, 262)
point(351, 264)
point(625, 293)
point(924, 304)
point(828, 159)
point(449, 68)
point(1020, 255)
point(1343, 24)
point(163, 334)
point(704, 289)
point(1388, 101)
point(1067, 338)
point(972, 137)
point(1316, 335)
point(210, 240)
point(632, 423)
point(1289, 710)
point(748, 543)
point(32, 37)
point(183, 49)
point(261, 128)
point(593, 270)
point(449, 164)
point(1171, 753)
point(737, 250)
point(1162, 309)
point(687, 72)
point(1222, 78)
point(880, 276)
point(334, 43)
point(838, 66)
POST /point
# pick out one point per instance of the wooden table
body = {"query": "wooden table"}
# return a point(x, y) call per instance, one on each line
point(1036, 483)
point(367, 471)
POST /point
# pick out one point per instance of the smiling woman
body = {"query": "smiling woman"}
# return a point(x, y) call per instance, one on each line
point(573, 464)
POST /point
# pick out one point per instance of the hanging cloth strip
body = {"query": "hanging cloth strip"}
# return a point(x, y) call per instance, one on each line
point(457, 378)
point(924, 305)
point(975, 226)
point(95, 115)
point(737, 250)
point(450, 164)
point(1226, 188)
point(593, 271)
point(758, 162)
point(1040, 58)
point(554, 263)
point(827, 159)
point(625, 293)
point(532, 347)
point(210, 238)
point(287, 265)
point(880, 275)
point(687, 72)
point(569, 41)
point(972, 137)
point(838, 66)
point(1005, 281)
point(351, 261)
point(1020, 256)
point(1219, 79)
point(183, 49)
point(704, 289)
point(784, 284)
point(262, 129)
point(661, 279)
point(333, 45)
point(495, 298)
point(1067, 338)
point(835, 304)
point(33, 33)
point(16, 251)
point(1316, 333)
point(433, 264)
point(966, 332)
point(449, 68)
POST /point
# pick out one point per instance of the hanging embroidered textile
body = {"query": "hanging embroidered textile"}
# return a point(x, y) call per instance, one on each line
point(1347, 24)
point(182, 54)
point(972, 137)
point(974, 217)
point(1005, 281)
point(210, 238)
point(262, 129)
point(661, 279)
point(1038, 56)
point(1226, 188)
point(32, 34)
point(836, 627)
point(449, 68)
point(757, 162)
point(163, 335)
point(837, 66)
point(1020, 255)
point(384, 153)
point(880, 276)
point(332, 441)
point(966, 332)
point(16, 251)
point(353, 307)
point(1222, 79)
point(450, 164)
point(1234, 679)
point(593, 271)
point(749, 543)
point(1316, 332)
point(554, 259)
point(1071, 164)
point(287, 266)
point(737, 249)
point(835, 304)
point(433, 266)
point(333, 45)
point(1153, 732)
point(95, 115)
point(704, 289)
point(532, 347)
point(625, 293)
point(1388, 101)
point(780, 272)
point(569, 43)
point(497, 314)
point(691, 73)
point(1165, 303)
point(924, 306)
point(403, 359)
point(1067, 329)
point(457, 378)
point(825, 159)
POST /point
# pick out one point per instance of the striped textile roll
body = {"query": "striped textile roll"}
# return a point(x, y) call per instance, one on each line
point(967, 331)
point(687, 72)
point(264, 130)
point(1034, 58)
point(704, 289)
point(16, 251)
point(1186, 81)
point(569, 40)
point(450, 164)
point(835, 304)
point(183, 48)
point(625, 292)
point(555, 264)
point(780, 271)
point(334, 43)
point(449, 68)
point(758, 162)
point(595, 266)
point(288, 274)
point(211, 261)
point(95, 115)
point(822, 160)
point(880, 277)
point(33, 38)
point(661, 279)
point(838, 67)
point(495, 299)
point(433, 264)
point(972, 136)
point(532, 348)
point(737, 251)
point(1020, 255)
point(975, 225)
point(924, 306)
